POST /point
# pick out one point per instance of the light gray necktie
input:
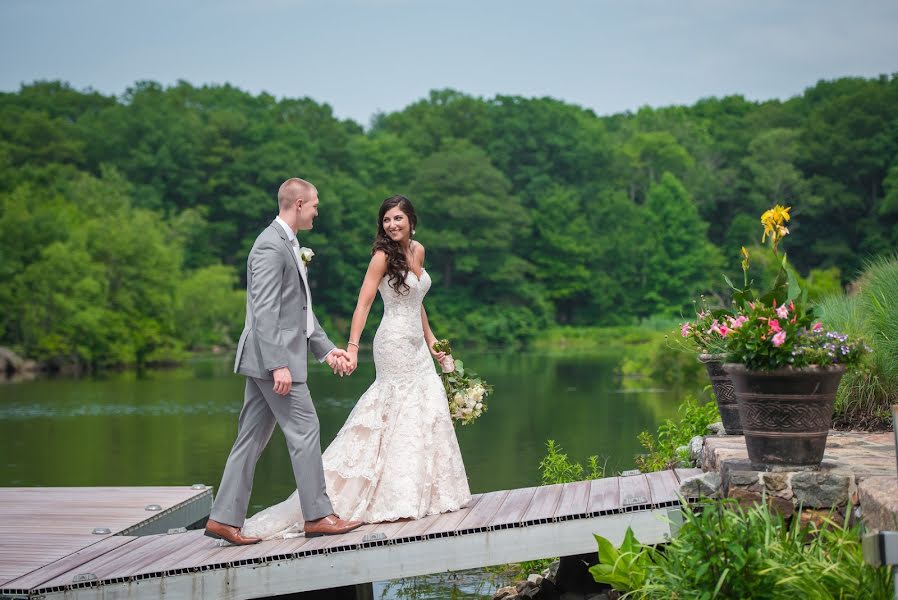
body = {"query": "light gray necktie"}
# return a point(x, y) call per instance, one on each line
point(310, 322)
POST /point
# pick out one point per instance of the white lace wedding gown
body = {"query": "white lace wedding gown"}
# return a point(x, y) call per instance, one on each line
point(397, 455)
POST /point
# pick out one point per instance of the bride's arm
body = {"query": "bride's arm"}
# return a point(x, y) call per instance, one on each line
point(377, 268)
point(429, 337)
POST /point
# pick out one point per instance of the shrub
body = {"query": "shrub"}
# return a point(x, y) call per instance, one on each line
point(662, 449)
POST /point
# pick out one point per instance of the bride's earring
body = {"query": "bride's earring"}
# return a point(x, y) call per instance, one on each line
point(413, 232)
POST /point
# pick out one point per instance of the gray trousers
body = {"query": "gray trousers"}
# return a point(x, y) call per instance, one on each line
point(296, 415)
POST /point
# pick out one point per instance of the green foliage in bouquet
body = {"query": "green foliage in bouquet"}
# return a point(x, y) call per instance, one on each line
point(465, 390)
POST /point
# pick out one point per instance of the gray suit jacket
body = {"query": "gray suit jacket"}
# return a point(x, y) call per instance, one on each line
point(274, 335)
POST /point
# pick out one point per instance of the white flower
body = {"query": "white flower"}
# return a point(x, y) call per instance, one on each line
point(306, 255)
point(478, 406)
point(466, 411)
point(470, 402)
point(458, 397)
point(477, 393)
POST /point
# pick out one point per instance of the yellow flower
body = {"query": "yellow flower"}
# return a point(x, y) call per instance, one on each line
point(773, 221)
point(744, 259)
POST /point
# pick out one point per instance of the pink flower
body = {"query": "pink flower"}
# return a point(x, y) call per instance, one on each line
point(818, 326)
point(724, 330)
point(737, 322)
point(684, 330)
point(779, 338)
point(782, 311)
point(775, 326)
point(715, 327)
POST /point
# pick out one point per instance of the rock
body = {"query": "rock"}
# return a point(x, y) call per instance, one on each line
point(775, 482)
point(535, 579)
point(706, 485)
point(749, 498)
point(696, 447)
point(820, 490)
point(681, 450)
point(505, 593)
point(821, 518)
point(522, 586)
point(742, 478)
point(533, 592)
point(551, 572)
point(717, 428)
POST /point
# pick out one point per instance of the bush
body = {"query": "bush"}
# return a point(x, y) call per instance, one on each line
point(871, 312)
point(662, 450)
point(556, 467)
point(723, 551)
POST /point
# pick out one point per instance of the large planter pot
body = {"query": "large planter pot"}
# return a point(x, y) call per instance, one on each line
point(724, 392)
point(786, 414)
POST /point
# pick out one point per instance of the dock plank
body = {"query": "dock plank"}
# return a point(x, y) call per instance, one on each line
point(514, 507)
point(436, 523)
point(604, 496)
point(664, 486)
point(39, 576)
point(574, 499)
point(481, 516)
point(635, 493)
point(543, 504)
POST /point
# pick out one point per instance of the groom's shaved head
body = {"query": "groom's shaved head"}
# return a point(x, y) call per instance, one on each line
point(292, 189)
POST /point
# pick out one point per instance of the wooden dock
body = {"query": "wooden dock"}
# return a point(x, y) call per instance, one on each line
point(497, 528)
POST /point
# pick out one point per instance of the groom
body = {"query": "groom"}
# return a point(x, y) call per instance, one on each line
point(280, 330)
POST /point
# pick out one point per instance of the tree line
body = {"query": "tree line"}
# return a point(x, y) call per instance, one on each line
point(125, 221)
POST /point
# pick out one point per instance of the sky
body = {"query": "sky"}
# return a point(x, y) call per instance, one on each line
point(367, 56)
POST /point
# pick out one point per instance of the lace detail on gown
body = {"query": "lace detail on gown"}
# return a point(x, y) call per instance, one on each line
point(397, 455)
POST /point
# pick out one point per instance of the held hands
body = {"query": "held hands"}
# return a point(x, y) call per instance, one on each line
point(341, 362)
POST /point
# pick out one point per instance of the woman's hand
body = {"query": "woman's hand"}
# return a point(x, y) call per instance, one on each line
point(353, 357)
point(437, 355)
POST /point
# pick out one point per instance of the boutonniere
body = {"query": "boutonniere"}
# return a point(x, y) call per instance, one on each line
point(306, 255)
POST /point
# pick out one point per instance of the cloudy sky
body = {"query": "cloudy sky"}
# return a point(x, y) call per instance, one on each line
point(364, 56)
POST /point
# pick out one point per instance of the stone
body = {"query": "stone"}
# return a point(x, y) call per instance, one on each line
point(879, 498)
point(717, 428)
point(551, 572)
point(821, 518)
point(781, 505)
point(681, 450)
point(535, 579)
point(820, 490)
point(741, 478)
point(505, 593)
point(749, 498)
point(705, 485)
point(521, 586)
point(696, 445)
point(775, 482)
point(533, 592)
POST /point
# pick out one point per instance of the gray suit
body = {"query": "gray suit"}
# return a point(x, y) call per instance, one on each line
point(275, 336)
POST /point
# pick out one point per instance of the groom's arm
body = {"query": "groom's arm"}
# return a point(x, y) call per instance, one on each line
point(319, 343)
point(265, 296)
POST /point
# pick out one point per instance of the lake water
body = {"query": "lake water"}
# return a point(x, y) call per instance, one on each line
point(176, 427)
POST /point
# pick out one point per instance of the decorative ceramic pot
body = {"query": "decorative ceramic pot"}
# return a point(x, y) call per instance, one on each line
point(724, 392)
point(786, 414)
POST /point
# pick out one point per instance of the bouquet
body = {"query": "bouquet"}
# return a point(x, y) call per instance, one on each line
point(707, 333)
point(465, 390)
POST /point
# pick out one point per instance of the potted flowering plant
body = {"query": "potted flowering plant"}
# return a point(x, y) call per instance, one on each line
point(707, 334)
point(785, 367)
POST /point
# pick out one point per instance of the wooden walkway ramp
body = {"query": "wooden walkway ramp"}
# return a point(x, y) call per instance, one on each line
point(497, 528)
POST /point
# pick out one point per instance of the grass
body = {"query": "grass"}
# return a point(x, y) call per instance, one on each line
point(871, 313)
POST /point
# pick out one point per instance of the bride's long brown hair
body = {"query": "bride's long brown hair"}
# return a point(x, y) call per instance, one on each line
point(397, 264)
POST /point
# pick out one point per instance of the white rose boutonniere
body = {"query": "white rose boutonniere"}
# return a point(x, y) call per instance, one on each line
point(306, 255)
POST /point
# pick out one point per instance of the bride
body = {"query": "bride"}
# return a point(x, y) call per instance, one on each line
point(396, 456)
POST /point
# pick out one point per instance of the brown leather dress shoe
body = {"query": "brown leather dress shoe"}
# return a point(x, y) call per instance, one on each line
point(229, 533)
point(329, 525)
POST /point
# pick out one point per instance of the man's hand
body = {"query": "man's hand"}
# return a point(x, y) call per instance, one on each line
point(338, 360)
point(283, 381)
